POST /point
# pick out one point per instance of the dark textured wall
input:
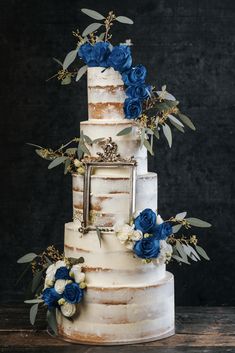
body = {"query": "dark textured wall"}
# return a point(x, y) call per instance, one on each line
point(188, 44)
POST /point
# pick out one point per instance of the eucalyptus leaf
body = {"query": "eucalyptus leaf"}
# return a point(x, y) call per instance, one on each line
point(178, 127)
point(101, 36)
point(188, 249)
point(84, 148)
point(49, 262)
point(33, 301)
point(176, 228)
point(79, 151)
point(88, 140)
point(91, 28)
point(124, 19)
point(98, 140)
point(175, 120)
point(32, 144)
point(58, 61)
point(156, 133)
point(51, 319)
point(202, 252)
point(180, 259)
point(36, 280)
point(69, 59)
point(81, 72)
point(66, 165)
point(196, 222)
point(57, 162)
point(71, 151)
point(33, 313)
point(148, 146)
point(27, 258)
point(186, 121)
point(23, 273)
point(99, 235)
point(181, 251)
point(67, 80)
point(125, 131)
point(181, 216)
point(167, 133)
point(93, 14)
point(142, 137)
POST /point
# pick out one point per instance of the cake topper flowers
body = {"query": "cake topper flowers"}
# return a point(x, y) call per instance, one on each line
point(154, 111)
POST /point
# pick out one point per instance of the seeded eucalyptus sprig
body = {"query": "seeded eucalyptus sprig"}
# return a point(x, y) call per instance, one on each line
point(67, 154)
point(186, 248)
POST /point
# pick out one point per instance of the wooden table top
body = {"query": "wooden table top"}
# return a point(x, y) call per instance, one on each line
point(198, 329)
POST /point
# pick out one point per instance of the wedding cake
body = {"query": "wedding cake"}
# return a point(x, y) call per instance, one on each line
point(110, 286)
point(126, 300)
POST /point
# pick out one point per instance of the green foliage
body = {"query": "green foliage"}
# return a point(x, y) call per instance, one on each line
point(27, 258)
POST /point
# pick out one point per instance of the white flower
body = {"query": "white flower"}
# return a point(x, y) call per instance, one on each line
point(79, 277)
point(60, 285)
point(136, 235)
point(125, 233)
point(163, 94)
point(51, 270)
point(129, 245)
point(165, 251)
point(159, 219)
point(48, 283)
point(60, 263)
point(77, 163)
point(68, 309)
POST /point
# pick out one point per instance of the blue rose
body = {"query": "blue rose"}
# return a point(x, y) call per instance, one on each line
point(135, 76)
point(132, 108)
point(73, 293)
point(120, 58)
point(163, 231)
point(86, 53)
point(62, 273)
point(142, 91)
point(95, 55)
point(50, 297)
point(146, 221)
point(101, 53)
point(147, 248)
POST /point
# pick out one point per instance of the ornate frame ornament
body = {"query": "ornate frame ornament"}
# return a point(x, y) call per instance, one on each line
point(108, 159)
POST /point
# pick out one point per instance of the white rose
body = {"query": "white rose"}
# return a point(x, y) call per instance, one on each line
point(77, 163)
point(129, 245)
point(79, 277)
point(51, 270)
point(159, 219)
point(117, 227)
point(68, 309)
point(60, 285)
point(165, 251)
point(75, 269)
point(136, 235)
point(123, 237)
point(60, 263)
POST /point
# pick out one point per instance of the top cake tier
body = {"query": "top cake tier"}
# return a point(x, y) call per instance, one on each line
point(106, 94)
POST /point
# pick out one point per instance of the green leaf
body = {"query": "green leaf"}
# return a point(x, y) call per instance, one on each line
point(69, 59)
point(88, 140)
point(66, 165)
point(99, 235)
point(91, 28)
point(101, 36)
point(202, 252)
point(58, 61)
point(79, 151)
point(81, 72)
point(175, 120)
point(181, 216)
point(186, 121)
point(148, 146)
point(36, 280)
point(27, 258)
point(176, 228)
point(57, 162)
point(181, 251)
point(33, 313)
point(67, 80)
point(124, 19)
point(33, 301)
point(98, 140)
point(196, 222)
point(71, 151)
point(191, 252)
point(93, 14)
point(125, 131)
point(51, 319)
point(84, 148)
point(142, 137)
point(49, 262)
point(180, 259)
point(178, 127)
point(156, 133)
point(32, 144)
point(167, 133)
point(23, 273)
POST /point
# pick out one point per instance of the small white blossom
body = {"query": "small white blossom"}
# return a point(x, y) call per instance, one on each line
point(136, 235)
point(165, 252)
point(159, 219)
point(60, 263)
point(60, 285)
point(129, 245)
point(68, 309)
point(79, 277)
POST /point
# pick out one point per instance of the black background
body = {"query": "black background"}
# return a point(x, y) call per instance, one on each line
point(189, 45)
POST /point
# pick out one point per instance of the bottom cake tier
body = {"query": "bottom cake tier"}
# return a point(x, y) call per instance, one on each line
point(122, 314)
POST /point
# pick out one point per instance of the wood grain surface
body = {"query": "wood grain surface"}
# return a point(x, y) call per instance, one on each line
point(198, 329)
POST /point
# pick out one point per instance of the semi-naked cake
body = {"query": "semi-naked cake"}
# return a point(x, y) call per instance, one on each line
point(127, 300)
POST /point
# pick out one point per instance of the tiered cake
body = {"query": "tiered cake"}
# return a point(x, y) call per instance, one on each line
point(127, 301)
